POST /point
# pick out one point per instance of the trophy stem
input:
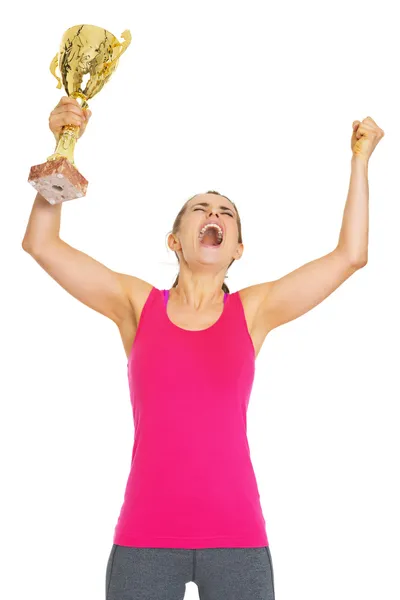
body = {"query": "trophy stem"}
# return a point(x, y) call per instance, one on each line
point(66, 144)
point(58, 179)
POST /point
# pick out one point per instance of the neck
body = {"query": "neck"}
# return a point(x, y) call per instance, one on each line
point(198, 292)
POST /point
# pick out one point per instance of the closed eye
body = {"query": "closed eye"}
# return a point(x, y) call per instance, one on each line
point(224, 213)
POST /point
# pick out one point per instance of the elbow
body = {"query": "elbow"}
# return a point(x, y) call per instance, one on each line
point(353, 257)
point(354, 260)
point(360, 262)
point(32, 247)
point(26, 246)
point(29, 247)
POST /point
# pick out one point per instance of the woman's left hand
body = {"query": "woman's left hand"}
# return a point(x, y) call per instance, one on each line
point(366, 135)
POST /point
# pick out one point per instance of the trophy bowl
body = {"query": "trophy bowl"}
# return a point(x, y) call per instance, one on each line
point(87, 58)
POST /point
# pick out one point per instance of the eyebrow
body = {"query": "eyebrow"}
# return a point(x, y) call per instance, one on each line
point(208, 204)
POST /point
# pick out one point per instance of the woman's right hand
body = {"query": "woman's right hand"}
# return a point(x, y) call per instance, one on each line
point(68, 112)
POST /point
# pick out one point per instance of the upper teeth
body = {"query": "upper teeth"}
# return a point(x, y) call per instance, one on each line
point(202, 231)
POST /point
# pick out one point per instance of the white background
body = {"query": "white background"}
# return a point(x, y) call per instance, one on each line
point(255, 100)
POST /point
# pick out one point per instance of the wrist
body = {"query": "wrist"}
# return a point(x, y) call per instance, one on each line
point(359, 162)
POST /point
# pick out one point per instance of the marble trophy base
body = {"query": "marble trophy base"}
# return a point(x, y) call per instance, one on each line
point(58, 180)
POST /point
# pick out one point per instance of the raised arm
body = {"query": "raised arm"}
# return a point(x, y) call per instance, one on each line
point(276, 302)
point(102, 289)
point(108, 292)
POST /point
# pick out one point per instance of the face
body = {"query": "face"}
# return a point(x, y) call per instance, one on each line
point(193, 248)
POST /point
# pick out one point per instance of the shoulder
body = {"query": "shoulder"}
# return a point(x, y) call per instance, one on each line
point(253, 301)
point(253, 296)
point(138, 291)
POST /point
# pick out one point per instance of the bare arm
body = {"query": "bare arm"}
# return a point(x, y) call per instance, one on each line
point(108, 292)
point(284, 299)
point(105, 291)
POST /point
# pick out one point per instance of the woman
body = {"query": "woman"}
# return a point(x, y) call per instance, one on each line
point(192, 510)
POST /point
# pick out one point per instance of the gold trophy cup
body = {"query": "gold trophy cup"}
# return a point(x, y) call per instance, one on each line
point(86, 52)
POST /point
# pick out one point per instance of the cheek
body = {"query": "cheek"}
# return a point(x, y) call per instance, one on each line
point(191, 227)
point(232, 233)
point(187, 236)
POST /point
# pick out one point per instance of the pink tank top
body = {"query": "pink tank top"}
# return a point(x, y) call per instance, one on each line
point(191, 482)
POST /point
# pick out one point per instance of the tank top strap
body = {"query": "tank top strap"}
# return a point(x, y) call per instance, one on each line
point(166, 294)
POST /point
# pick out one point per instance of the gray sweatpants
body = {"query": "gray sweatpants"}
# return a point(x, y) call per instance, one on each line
point(135, 573)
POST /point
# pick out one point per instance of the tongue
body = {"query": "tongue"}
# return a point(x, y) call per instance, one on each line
point(210, 238)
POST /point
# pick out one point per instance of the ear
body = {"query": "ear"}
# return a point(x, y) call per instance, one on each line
point(239, 252)
point(173, 243)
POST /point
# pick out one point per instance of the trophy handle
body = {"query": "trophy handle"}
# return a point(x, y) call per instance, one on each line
point(127, 37)
point(53, 67)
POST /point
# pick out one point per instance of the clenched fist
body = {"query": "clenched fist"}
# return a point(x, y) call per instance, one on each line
point(366, 135)
point(68, 112)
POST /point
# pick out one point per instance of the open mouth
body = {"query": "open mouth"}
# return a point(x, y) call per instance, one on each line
point(211, 235)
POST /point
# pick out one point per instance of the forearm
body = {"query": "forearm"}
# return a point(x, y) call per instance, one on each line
point(353, 238)
point(43, 225)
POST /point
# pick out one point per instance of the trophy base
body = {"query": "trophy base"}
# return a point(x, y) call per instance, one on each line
point(58, 180)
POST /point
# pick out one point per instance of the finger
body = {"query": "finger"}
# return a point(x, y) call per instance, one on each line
point(69, 109)
point(369, 120)
point(70, 114)
point(68, 106)
point(370, 130)
point(360, 132)
point(82, 130)
point(68, 100)
point(67, 118)
point(355, 124)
